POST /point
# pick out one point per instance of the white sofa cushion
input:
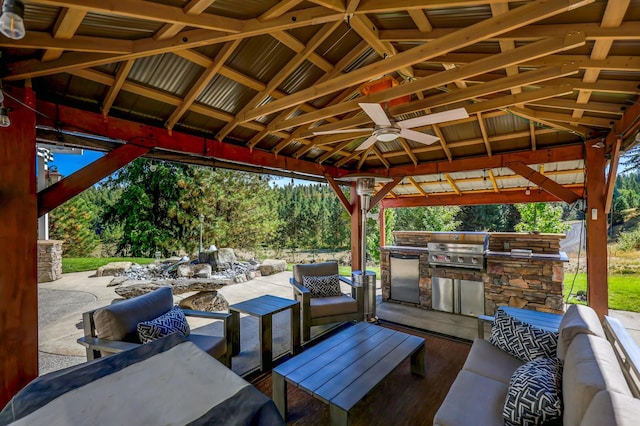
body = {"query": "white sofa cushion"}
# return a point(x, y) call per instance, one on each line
point(590, 366)
point(487, 360)
point(579, 319)
point(612, 408)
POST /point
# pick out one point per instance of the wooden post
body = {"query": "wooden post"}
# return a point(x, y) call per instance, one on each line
point(356, 229)
point(383, 228)
point(597, 284)
point(18, 251)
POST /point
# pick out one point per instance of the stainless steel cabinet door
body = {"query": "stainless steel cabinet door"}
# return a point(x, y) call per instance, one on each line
point(405, 278)
point(471, 298)
point(442, 294)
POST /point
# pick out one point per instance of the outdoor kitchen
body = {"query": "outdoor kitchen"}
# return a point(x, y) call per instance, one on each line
point(473, 273)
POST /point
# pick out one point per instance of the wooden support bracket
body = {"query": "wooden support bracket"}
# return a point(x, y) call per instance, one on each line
point(543, 182)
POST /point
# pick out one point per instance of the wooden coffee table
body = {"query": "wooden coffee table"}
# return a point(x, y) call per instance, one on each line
point(343, 369)
point(263, 308)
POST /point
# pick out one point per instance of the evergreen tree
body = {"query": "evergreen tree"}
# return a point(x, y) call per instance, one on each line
point(541, 217)
point(74, 222)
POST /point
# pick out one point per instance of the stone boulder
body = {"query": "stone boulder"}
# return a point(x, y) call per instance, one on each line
point(272, 266)
point(113, 269)
point(226, 258)
point(210, 301)
point(117, 281)
point(194, 271)
point(210, 257)
point(134, 288)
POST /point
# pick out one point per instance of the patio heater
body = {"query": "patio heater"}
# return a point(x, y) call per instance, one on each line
point(364, 189)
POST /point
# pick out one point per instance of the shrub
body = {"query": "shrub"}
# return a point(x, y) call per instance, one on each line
point(628, 241)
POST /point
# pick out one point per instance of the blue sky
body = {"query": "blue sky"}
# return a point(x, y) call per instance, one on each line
point(70, 163)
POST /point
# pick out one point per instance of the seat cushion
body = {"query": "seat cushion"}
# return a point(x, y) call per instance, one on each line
point(119, 321)
point(579, 319)
point(590, 367)
point(472, 400)
point(168, 323)
point(335, 305)
point(612, 408)
point(534, 393)
point(216, 346)
point(487, 360)
point(317, 269)
point(522, 340)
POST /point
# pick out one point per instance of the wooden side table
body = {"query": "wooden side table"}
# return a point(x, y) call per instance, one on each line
point(263, 308)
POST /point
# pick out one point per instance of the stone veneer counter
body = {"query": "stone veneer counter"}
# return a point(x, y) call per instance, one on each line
point(532, 281)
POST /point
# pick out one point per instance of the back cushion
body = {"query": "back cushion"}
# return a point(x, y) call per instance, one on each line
point(579, 319)
point(590, 367)
point(316, 269)
point(611, 408)
point(120, 320)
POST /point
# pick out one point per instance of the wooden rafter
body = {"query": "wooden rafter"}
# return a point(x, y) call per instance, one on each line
point(494, 183)
point(543, 182)
point(611, 176)
point(384, 191)
point(121, 76)
point(336, 188)
point(417, 186)
point(452, 183)
point(66, 26)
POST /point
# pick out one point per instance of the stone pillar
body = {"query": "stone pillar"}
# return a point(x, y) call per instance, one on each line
point(49, 260)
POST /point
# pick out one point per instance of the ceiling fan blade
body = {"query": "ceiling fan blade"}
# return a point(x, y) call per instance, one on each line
point(366, 144)
point(376, 113)
point(418, 136)
point(332, 132)
point(438, 117)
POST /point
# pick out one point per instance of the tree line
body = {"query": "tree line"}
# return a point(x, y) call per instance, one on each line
point(153, 206)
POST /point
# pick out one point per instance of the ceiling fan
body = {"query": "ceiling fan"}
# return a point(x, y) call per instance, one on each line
point(387, 129)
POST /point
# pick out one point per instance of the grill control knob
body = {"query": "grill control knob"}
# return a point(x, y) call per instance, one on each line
point(434, 257)
point(474, 260)
point(460, 259)
point(447, 258)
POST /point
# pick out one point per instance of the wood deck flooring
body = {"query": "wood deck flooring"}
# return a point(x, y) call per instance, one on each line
point(401, 399)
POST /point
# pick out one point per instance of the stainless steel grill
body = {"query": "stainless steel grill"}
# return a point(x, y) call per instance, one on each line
point(458, 249)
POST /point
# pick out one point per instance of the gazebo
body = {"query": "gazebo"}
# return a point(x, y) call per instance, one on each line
point(453, 102)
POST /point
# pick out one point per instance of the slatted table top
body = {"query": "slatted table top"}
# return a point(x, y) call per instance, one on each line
point(263, 305)
point(344, 368)
point(544, 320)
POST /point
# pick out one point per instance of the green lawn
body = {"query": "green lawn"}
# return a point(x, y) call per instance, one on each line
point(80, 264)
point(624, 290)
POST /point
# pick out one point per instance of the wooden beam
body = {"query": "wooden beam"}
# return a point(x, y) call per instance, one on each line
point(124, 130)
point(18, 254)
point(452, 183)
point(56, 194)
point(112, 94)
point(383, 226)
point(194, 7)
point(543, 182)
point(611, 177)
point(336, 188)
point(473, 199)
point(485, 136)
point(140, 9)
point(384, 191)
point(205, 78)
point(66, 26)
point(551, 155)
point(597, 281)
point(521, 16)
point(278, 9)
point(494, 183)
point(417, 186)
point(356, 230)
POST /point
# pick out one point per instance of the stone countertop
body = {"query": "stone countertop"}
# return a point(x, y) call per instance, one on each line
point(562, 256)
point(404, 248)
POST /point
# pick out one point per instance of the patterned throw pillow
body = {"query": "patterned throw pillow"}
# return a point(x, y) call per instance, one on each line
point(522, 340)
point(322, 286)
point(171, 322)
point(534, 393)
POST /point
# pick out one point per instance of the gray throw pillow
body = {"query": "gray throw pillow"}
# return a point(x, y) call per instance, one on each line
point(322, 286)
point(534, 396)
point(522, 340)
point(171, 322)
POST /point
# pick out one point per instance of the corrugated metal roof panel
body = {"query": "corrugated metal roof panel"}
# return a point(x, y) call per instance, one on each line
point(458, 17)
point(226, 95)
point(260, 57)
point(245, 9)
point(392, 20)
point(303, 77)
point(367, 57)
point(167, 72)
point(126, 101)
point(339, 44)
point(40, 18)
point(110, 26)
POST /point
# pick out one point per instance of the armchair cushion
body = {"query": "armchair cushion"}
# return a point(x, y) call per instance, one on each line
point(322, 286)
point(119, 321)
point(168, 323)
point(317, 269)
point(216, 346)
point(335, 305)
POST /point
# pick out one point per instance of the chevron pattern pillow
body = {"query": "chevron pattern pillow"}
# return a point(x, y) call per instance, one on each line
point(534, 393)
point(322, 286)
point(171, 322)
point(522, 340)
